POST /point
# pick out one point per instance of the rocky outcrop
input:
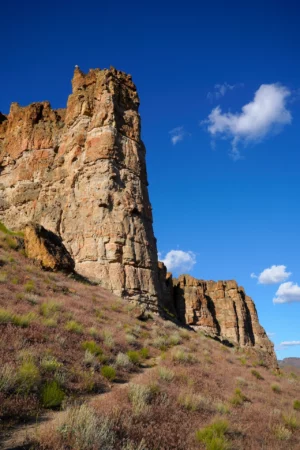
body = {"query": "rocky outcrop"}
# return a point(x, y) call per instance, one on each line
point(221, 309)
point(47, 248)
point(81, 174)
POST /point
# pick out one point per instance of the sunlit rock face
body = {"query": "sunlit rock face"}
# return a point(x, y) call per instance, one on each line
point(81, 174)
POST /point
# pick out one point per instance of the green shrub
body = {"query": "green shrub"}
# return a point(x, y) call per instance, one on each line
point(238, 399)
point(50, 363)
point(256, 374)
point(8, 378)
point(222, 408)
point(276, 388)
point(108, 372)
point(214, 436)
point(5, 316)
point(49, 308)
point(92, 347)
point(166, 374)
point(29, 286)
point(22, 320)
point(3, 277)
point(28, 377)
point(52, 395)
point(290, 420)
point(282, 433)
point(93, 331)
point(51, 322)
point(140, 396)
point(144, 352)
point(134, 357)
point(73, 326)
point(297, 405)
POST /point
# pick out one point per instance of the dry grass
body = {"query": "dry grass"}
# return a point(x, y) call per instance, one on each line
point(75, 341)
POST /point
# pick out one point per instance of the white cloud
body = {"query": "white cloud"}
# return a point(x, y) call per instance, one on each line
point(289, 343)
point(221, 89)
point(265, 114)
point(270, 334)
point(177, 134)
point(287, 293)
point(179, 261)
point(272, 275)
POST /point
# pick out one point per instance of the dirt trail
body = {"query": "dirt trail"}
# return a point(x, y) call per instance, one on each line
point(19, 438)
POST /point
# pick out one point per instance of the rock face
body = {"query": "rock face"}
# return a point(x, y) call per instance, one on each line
point(81, 174)
point(222, 309)
point(47, 248)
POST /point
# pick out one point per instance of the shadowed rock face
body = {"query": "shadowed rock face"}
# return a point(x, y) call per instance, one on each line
point(222, 309)
point(81, 173)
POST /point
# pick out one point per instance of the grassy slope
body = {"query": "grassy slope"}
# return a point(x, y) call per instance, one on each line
point(46, 320)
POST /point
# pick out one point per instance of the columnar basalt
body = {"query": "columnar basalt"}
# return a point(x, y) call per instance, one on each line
point(81, 173)
point(221, 309)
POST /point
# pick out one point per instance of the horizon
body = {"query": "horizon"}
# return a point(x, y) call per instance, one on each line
point(221, 142)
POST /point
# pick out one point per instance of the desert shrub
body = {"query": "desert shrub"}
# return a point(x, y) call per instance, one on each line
point(51, 322)
point(140, 397)
point(73, 326)
point(52, 395)
point(282, 433)
point(183, 357)
point(88, 380)
point(175, 339)
point(144, 352)
point(8, 378)
point(89, 358)
point(49, 308)
point(5, 316)
point(185, 334)
point(192, 401)
point(83, 430)
point(134, 357)
point(256, 374)
point(92, 347)
point(93, 331)
point(108, 372)
point(50, 364)
point(160, 342)
point(32, 299)
point(243, 360)
point(22, 320)
point(166, 374)
point(3, 277)
point(238, 398)
point(276, 388)
point(214, 436)
point(123, 361)
point(28, 377)
point(222, 408)
point(241, 381)
point(130, 339)
point(108, 339)
point(290, 420)
point(29, 286)
point(297, 405)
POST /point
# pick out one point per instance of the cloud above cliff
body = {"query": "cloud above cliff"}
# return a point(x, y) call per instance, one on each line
point(289, 343)
point(272, 275)
point(288, 292)
point(265, 114)
point(177, 135)
point(221, 89)
point(179, 261)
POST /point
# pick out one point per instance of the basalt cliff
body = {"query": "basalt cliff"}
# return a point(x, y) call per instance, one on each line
point(80, 173)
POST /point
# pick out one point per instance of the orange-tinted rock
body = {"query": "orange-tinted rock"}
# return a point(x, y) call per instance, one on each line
point(81, 173)
point(222, 309)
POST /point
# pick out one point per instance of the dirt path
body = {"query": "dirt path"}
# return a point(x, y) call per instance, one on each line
point(19, 438)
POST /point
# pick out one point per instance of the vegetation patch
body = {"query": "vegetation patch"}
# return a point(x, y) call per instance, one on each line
point(52, 395)
point(214, 436)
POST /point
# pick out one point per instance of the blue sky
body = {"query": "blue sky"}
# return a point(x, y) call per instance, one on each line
point(235, 217)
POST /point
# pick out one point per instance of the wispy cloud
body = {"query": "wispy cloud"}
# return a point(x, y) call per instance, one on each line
point(265, 114)
point(270, 334)
point(288, 292)
point(179, 261)
point(178, 134)
point(272, 275)
point(289, 343)
point(221, 89)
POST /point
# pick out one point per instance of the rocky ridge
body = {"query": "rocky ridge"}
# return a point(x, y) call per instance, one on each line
point(81, 174)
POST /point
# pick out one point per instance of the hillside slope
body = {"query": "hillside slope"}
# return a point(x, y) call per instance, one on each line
point(64, 342)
